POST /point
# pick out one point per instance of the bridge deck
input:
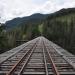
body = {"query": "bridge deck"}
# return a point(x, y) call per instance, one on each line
point(37, 57)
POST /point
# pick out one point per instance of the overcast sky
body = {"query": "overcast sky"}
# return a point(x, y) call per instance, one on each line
point(10, 9)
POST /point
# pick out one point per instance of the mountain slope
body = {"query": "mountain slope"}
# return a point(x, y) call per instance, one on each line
point(33, 18)
point(62, 12)
point(60, 28)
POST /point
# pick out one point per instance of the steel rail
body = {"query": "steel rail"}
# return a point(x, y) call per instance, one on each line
point(13, 68)
point(64, 57)
point(14, 54)
point(24, 65)
point(44, 55)
point(52, 62)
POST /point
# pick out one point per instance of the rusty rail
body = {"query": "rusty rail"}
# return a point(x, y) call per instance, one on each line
point(45, 63)
point(64, 57)
point(51, 60)
point(20, 60)
point(26, 61)
point(39, 57)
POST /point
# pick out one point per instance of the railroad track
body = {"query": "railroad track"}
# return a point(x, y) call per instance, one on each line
point(39, 57)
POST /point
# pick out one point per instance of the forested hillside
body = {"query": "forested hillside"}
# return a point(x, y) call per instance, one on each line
point(58, 27)
point(34, 18)
point(19, 30)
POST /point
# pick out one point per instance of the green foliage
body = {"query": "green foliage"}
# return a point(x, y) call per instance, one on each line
point(59, 27)
point(3, 39)
point(61, 30)
point(41, 29)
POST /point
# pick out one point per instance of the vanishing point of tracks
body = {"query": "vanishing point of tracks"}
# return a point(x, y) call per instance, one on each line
point(39, 57)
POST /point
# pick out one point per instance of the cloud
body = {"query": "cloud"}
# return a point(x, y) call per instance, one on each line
point(10, 9)
point(54, 5)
